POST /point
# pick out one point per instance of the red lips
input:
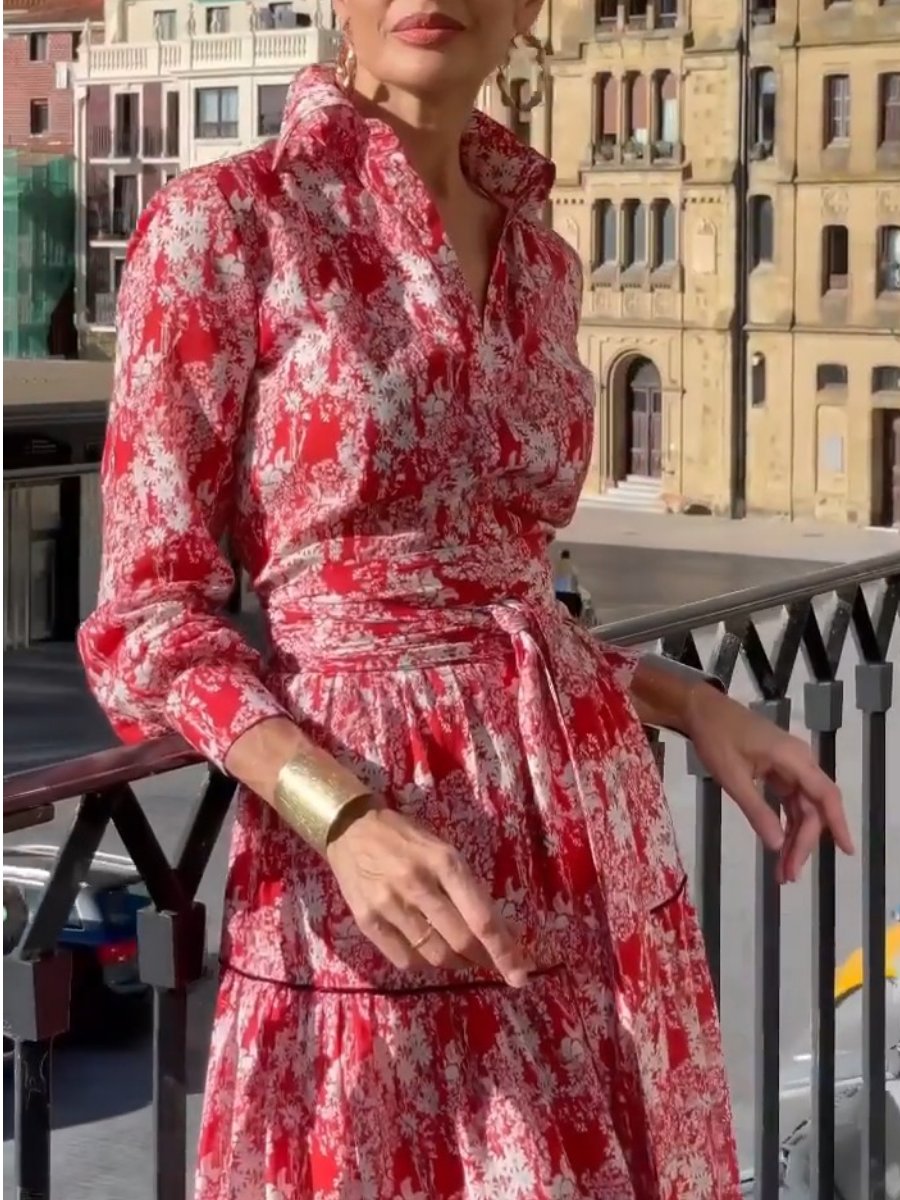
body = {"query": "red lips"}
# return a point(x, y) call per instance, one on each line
point(434, 21)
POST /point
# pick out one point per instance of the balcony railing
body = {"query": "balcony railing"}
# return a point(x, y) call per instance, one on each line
point(160, 143)
point(116, 224)
point(286, 49)
point(609, 152)
point(131, 142)
point(102, 309)
point(817, 616)
point(121, 142)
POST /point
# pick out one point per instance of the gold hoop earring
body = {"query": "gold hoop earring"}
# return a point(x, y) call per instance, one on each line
point(345, 65)
point(502, 77)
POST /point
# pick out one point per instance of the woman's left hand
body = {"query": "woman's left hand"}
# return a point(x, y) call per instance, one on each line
point(745, 753)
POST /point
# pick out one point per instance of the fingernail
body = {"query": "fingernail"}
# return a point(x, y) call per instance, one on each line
point(517, 978)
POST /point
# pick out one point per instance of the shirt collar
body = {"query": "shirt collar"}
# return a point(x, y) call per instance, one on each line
point(494, 159)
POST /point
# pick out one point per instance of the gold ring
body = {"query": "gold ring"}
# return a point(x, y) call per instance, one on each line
point(420, 942)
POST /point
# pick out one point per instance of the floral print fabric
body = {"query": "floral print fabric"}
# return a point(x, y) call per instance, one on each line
point(303, 370)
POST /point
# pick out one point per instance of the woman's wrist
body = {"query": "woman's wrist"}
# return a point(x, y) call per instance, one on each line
point(316, 795)
point(312, 792)
point(667, 693)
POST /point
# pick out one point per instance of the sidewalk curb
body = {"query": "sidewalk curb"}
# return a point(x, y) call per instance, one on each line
point(769, 537)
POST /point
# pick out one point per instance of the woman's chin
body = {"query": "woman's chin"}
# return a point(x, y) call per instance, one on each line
point(430, 71)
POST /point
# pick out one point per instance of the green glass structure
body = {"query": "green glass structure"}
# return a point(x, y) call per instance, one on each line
point(38, 254)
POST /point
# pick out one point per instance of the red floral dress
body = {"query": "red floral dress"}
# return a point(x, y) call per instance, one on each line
point(302, 367)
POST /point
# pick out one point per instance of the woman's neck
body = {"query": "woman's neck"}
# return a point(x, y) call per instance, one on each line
point(429, 133)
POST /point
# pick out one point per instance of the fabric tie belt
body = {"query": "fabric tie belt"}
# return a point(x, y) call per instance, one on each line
point(562, 673)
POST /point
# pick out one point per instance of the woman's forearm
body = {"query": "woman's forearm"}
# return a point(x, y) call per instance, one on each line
point(257, 757)
point(664, 693)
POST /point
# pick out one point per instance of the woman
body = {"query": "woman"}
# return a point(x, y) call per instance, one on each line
point(458, 958)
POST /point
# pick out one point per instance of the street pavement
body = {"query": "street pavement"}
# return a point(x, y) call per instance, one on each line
point(102, 1145)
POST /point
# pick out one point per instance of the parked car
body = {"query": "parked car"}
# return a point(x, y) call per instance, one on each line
point(100, 933)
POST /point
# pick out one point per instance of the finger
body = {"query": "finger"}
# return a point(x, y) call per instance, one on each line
point(806, 834)
point(825, 794)
point(793, 819)
point(792, 824)
point(435, 950)
point(766, 822)
point(474, 905)
point(444, 917)
point(421, 894)
point(390, 941)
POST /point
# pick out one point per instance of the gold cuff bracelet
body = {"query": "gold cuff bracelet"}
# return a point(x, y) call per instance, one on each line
point(311, 792)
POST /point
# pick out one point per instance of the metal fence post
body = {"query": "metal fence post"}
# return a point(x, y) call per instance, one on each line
point(708, 864)
point(767, 1007)
point(874, 686)
point(823, 711)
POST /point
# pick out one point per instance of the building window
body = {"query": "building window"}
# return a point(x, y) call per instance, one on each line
point(76, 45)
point(666, 99)
point(38, 47)
point(762, 12)
point(606, 249)
point(665, 248)
point(40, 116)
point(666, 14)
point(835, 258)
point(606, 129)
point(217, 112)
point(271, 106)
point(127, 124)
point(762, 230)
point(125, 205)
point(165, 24)
point(636, 12)
point(762, 135)
point(889, 109)
point(636, 133)
point(635, 234)
point(283, 16)
point(830, 375)
point(837, 109)
point(217, 19)
point(606, 14)
point(758, 379)
point(173, 123)
point(886, 379)
point(889, 258)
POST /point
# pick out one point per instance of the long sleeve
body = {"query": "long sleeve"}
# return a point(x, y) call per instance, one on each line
point(158, 654)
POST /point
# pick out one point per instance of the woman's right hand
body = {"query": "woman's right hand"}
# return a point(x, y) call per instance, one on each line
point(415, 898)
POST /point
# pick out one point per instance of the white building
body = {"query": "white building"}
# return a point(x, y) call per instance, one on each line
point(175, 84)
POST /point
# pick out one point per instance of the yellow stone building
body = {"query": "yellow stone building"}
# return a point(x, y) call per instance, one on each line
point(731, 180)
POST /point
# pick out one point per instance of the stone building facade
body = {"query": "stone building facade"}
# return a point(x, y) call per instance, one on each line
point(734, 193)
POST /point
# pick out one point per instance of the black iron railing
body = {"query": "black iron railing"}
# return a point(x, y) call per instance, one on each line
point(862, 604)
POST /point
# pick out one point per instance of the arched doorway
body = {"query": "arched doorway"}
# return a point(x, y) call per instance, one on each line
point(637, 419)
